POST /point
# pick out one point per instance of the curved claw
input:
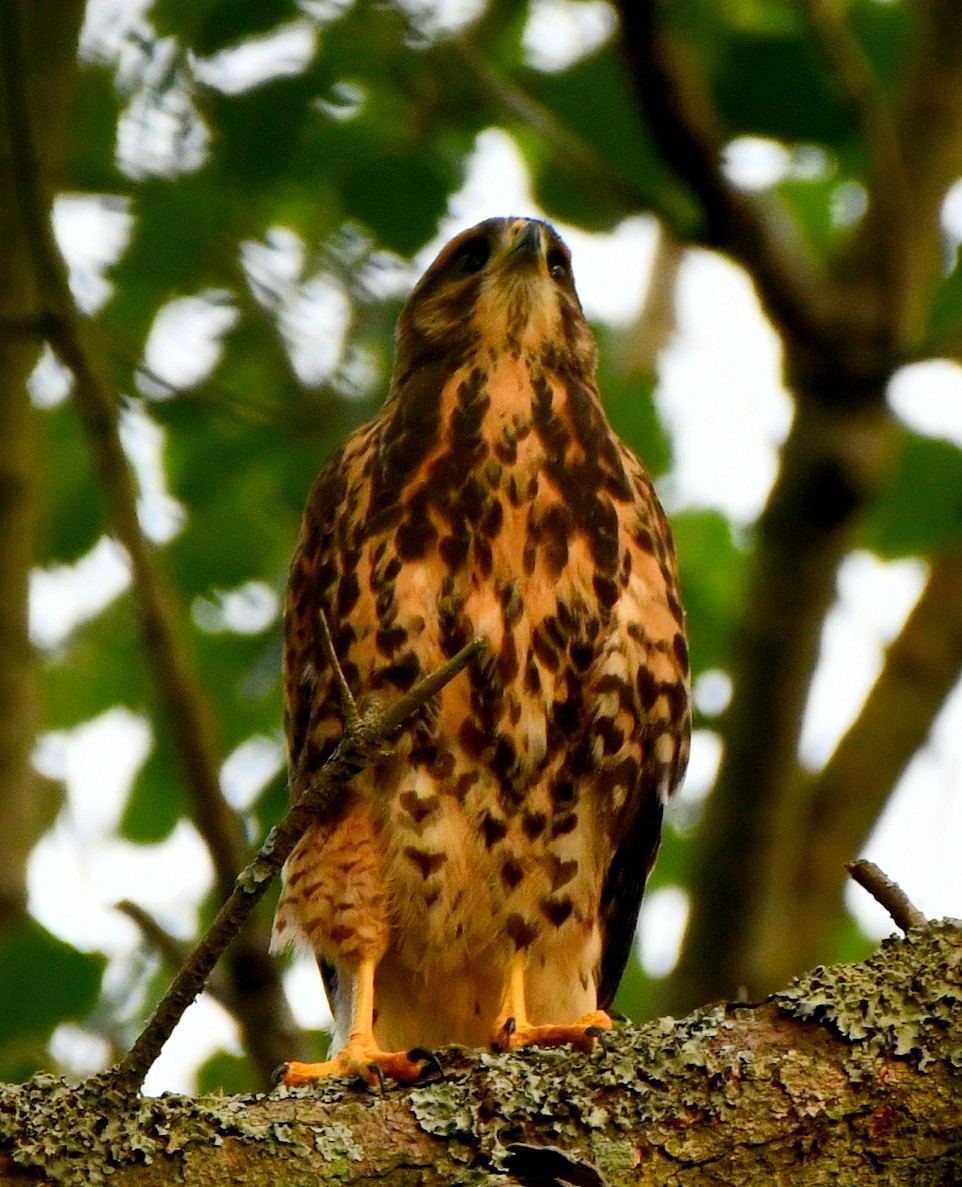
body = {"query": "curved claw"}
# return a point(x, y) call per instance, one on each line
point(501, 1040)
point(597, 1033)
point(428, 1057)
point(278, 1074)
point(378, 1071)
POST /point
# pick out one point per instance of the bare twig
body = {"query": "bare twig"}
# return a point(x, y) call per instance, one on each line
point(173, 951)
point(887, 893)
point(352, 719)
point(357, 749)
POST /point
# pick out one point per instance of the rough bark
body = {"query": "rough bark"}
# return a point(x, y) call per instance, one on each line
point(851, 1075)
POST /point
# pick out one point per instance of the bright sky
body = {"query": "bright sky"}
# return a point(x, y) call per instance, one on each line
point(721, 397)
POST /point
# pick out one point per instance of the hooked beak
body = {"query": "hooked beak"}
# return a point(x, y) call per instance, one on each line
point(528, 247)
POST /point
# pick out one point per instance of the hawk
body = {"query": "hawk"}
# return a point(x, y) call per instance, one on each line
point(481, 884)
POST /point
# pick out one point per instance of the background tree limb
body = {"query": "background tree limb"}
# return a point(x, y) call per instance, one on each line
point(26, 804)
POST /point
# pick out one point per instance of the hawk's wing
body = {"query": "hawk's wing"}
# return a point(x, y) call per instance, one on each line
point(322, 580)
point(657, 658)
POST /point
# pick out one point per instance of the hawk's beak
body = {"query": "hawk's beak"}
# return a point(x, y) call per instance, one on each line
point(528, 247)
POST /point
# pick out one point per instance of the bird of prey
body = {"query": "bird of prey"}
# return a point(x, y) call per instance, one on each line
point(481, 883)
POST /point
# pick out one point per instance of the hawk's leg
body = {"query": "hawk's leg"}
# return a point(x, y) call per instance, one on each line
point(512, 1028)
point(360, 1058)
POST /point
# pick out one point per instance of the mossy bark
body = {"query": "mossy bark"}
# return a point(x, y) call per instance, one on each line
point(852, 1075)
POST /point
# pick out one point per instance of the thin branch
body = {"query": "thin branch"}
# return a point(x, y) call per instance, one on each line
point(352, 719)
point(654, 327)
point(887, 893)
point(358, 749)
point(853, 73)
point(173, 951)
point(931, 123)
point(571, 152)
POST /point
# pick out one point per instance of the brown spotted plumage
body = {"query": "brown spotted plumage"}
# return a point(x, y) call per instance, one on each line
point(482, 883)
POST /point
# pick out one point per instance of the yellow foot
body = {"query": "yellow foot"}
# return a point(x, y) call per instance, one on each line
point(361, 1061)
point(511, 1033)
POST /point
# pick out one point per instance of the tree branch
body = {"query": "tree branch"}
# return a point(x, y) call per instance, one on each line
point(887, 894)
point(884, 243)
point(360, 746)
point(571, 152)
point(848, 1076)
point(27, 802)
point(930, 126)
point(845, 798)
point(680, 116)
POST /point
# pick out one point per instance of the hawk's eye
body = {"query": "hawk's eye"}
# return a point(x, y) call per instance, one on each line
point(558, 264)
point(471, 256)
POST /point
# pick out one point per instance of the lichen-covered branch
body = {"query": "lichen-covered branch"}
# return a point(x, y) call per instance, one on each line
point(848, 1076)
point(360, 746)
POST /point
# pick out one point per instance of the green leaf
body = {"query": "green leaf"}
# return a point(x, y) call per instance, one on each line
point(226, 1073)
point(616, 170)
point(780, 87)
point(627, 395)
point(158, 799)
point(919, 511)
point(43, 982)
point(71, 506)
point(101, 665)
point(945, 320)
point(209, 25)
point(713, 572)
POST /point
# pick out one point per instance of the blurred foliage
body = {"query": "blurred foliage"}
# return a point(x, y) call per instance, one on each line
point(353, 146)
point(64, 984)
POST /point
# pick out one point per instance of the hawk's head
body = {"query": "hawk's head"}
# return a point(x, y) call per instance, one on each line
point(504, 286)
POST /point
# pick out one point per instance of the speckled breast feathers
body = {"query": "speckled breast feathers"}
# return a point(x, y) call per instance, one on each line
point(522, 809)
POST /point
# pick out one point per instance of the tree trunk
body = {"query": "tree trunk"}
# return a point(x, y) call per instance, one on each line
point(47, 38)
point(849, 1076)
